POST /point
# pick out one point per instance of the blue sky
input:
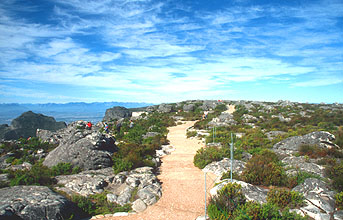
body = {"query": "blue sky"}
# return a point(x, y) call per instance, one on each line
point(170, 50)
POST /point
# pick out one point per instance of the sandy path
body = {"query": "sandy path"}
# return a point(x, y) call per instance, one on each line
point(230, 109)
point(182, 182)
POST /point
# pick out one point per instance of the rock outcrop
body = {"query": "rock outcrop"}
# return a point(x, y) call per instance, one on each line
point(291, 145)
point(140, 181)
point(35, 202)
point(27, 124)
point(188, 107)
point(224, 119)
point(165, 108)
point(319, 198)
point(220, 167)
point(117, 113)
point(293, 164)
point(88, 149)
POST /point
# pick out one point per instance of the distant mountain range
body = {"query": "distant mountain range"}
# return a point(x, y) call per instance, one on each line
point(64, 112)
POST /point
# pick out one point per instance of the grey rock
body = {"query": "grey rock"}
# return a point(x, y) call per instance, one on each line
point(88, 149)
point(164, 108)
point(150, 134)
point(291, 145)
point(249, 118)
point(35, 202)
point(209, 105)
point(320, 199)
point(224, 119)
point(188, 107)
point(124, 196)
point(220, 167)
point(338, 215)
point(293, 163)
point(139, 205)
point(251, 192)
point(116, 113)
point(23, 166)
point(87, 182)
point(151, 109)
point(26, 125)
point(165, 150)
point(112, 198)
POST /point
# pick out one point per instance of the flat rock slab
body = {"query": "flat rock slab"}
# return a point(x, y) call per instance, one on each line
point(35, 202)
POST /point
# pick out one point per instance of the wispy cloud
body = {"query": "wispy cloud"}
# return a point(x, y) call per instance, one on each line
point(153, 47)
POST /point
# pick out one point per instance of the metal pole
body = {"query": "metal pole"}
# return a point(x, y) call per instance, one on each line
point(213, 135)
point(231, 158)
point(205, 197)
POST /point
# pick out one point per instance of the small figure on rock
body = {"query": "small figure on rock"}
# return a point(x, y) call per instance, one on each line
point(205, 115)
point(131, 124)
point(106, 128)
point(89, 125)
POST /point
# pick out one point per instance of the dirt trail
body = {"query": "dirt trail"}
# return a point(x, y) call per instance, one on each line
point(230, 109)
point(182, 182)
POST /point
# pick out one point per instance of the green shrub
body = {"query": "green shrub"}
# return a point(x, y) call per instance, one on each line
point(264, 169)
point(97, 204)
point(339, 137)
point(300, 178)
point(191, 134)
point(312, 151)
point(284, 198)
point(267, 211)
point(37, 175)
point(339, 200)
point(226, 201)
point(64, 169)
point(335, 172)
point(207, 155)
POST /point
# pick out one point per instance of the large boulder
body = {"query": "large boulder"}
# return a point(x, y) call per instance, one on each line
point(27, 124)
point(35, 202)
point(188, 107)
point(88, 149)
point(165, 108)
point(220, 167)
point(319, 198)
point(291, 145)
point(117, 113)
point(209, 105)
point(224, 119)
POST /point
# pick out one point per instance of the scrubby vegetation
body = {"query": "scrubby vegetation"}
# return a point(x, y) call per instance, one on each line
point(24, 150)
point(265, 169)
point(339, 200)
point(230, 203)
point(98, 204)
point(135, 150)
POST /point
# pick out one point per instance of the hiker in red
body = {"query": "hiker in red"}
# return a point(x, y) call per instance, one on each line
point(89, 125)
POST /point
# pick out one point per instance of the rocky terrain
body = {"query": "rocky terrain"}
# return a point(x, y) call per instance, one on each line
point(122, 164)
point(26, 125)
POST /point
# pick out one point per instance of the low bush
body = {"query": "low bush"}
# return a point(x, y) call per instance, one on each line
point(312, 151)
point(339, 200)
point(207, 155)
point(64, 169)
point(335, 173)
point(300, 178)
point(37, 175)
point(130, 156)
point(226, 201)
point(267, 211)
point(23, 150)
point(264, 169)
point(284, 198)
point(97, 204)
point(191, 134)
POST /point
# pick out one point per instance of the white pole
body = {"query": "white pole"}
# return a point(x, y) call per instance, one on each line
point(231, 158)
point(205, 197)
